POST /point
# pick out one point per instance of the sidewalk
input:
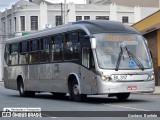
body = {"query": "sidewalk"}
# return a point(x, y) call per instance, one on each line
point(156, 92)
point(1, 83)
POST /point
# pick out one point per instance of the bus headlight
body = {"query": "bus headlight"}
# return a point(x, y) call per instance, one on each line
point(105, 78)
point(151, 77)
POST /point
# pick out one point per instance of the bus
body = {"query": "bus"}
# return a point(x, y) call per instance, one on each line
point(92, 57)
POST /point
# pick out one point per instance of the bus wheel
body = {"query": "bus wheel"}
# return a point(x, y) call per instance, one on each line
point(24, 93)
point(58, 95)
point(74, 92)
point(122, 96)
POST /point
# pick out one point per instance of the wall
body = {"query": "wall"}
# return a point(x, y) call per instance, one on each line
point(153, 46)
point(158, 56)
point(146, 11)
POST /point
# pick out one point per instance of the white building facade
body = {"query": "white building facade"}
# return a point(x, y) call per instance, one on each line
point(25, 16)
point(30, 16)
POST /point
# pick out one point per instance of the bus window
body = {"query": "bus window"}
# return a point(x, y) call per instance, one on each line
point(44, 52)
point(34, 51)
point(84, 40)
point(71, 46)
point(85, 56)
point(92, 63)
point(7, 53)
point(57, 48)
point(13, 57)
point(24, 53)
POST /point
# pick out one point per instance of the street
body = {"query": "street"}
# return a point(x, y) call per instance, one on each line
point(45, 101)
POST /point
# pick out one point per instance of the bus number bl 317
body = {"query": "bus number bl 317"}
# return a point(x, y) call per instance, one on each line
point(120, 77)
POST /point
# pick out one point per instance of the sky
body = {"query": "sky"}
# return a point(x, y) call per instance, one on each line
point(7, 3)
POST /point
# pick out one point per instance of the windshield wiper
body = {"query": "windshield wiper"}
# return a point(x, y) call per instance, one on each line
point(131, 56)
point(139, 64)
point(119, 59)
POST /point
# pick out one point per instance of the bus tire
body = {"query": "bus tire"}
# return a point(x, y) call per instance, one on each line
point(122, 96)
point(24, 93)
point(74, 92)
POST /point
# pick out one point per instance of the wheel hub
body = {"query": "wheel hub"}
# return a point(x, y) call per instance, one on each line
point(75, 89)
point(21, 89)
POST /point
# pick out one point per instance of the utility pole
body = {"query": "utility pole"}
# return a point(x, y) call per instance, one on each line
point(62, 13)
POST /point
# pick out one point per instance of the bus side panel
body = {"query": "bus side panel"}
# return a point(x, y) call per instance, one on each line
point(66, 69)
point(42, 77)
point(85, 81)
point(6, 81)
point(11, 74)
point(33, 83)
point(50, 78)
point(83, 75)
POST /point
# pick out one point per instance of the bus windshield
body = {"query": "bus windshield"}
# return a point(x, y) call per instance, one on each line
point(129, 50)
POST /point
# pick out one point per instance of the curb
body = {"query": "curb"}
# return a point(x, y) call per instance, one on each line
point(152, 93)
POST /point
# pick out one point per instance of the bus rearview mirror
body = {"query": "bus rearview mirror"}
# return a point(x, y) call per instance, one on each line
point(93, 43)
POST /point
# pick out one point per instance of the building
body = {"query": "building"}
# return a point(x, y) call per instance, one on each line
point(150, 28)
point(35, 15)
point(32, 15)
point(92, 1)
point(131, 3)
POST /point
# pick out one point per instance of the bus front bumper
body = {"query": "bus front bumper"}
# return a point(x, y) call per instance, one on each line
point(105, 87)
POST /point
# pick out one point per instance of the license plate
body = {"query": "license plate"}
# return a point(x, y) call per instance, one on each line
point(120, 77)
point(132, 88)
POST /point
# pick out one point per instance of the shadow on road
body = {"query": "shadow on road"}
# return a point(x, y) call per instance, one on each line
point(90, 99)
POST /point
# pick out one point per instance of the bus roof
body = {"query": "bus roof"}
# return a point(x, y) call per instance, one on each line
point(107, 26)
point(90, 26)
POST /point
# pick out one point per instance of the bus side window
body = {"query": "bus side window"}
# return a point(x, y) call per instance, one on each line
point(67, 45)
point(13, 57)
point(7, 53)
point(24, 53)
point(83, 39)
point(86, 56)
point(71, 46)
point(57, 48)
point(44, 49)
point(92, 63)
point(34, 51)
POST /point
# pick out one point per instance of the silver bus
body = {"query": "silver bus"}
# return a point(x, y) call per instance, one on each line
point(93, 57)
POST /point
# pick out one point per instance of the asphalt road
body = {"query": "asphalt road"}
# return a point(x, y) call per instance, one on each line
point(45, 101)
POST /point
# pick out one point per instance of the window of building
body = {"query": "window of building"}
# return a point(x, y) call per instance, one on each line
point(22, 19)
point(57, 48)
point(58, 20)
point(125, 19)
point(15, 24)
point(86, 17)
point(34, 22)
point(44, 49)
point(34, 51)
point(4, 29)
point(71, 46)
point(78, 18)
point(10, 26)
point(102, 17)
point(13, 57)
point(24, 53)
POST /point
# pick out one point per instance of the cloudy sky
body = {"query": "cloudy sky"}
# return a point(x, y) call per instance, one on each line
point(7, 3)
